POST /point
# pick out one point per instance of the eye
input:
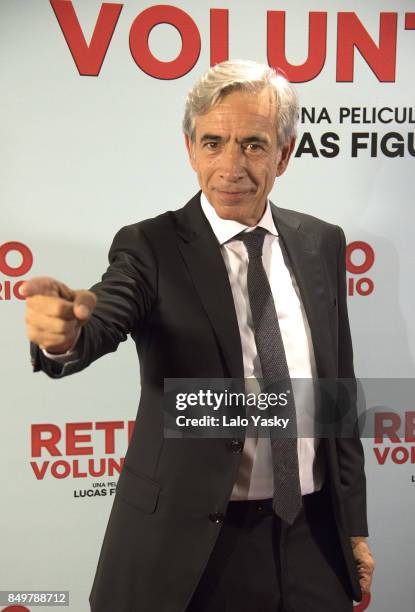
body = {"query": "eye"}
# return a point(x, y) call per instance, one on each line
point(253, 147)
point(211, 145)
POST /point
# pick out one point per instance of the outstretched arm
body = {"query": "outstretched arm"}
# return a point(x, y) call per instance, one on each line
point(116, 305)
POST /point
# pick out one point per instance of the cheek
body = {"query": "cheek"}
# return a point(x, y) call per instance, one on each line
point(206, 171)
point(263, 175)
point(270, 173)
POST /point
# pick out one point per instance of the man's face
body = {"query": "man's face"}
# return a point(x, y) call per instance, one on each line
point(236, 156)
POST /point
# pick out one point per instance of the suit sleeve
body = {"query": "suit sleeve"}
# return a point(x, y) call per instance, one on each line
point(125, 298)
point(349, 449)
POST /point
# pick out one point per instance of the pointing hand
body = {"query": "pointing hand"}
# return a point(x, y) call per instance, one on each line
point(55, 313)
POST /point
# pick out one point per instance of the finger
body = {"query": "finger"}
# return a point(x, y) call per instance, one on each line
point(365, 580)
point(50, 341)
point(365, 585)
point(84, 304)
point(54, 325)
point(45, 337)
point(367, 564)
point(46, 285)
point(50, 306)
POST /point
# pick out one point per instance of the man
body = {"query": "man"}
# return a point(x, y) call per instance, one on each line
point(228, 286)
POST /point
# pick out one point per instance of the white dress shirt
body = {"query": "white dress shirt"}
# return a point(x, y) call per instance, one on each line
point(255, 480)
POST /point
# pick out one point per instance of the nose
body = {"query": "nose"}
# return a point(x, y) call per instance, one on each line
point(232, 164)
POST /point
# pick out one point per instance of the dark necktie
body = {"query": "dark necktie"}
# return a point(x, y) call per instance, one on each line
point(287, 493)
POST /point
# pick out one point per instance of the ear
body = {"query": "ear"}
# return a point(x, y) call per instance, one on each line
point(285, 155)
point(190, 150)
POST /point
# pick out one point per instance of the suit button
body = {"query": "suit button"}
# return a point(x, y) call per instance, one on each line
point(216, 517)
point(236, 445)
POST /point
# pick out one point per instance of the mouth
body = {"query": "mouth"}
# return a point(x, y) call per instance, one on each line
point(231, 196)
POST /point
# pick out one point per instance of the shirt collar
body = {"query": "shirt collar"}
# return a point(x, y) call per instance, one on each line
point(226, 229)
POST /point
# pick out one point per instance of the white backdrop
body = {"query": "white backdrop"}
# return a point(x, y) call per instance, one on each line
point(83, 155)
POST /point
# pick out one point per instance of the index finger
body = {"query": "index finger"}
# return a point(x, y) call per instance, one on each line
point(46, 285)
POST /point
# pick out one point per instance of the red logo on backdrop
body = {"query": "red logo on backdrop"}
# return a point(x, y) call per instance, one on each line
point(397, 448)
point(364, 604)
point(10, 288)
point(360, 257)
point(16, 609)
point(352, 35)
point(75, 450)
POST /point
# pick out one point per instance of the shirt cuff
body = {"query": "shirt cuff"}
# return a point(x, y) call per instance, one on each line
point(63, 357)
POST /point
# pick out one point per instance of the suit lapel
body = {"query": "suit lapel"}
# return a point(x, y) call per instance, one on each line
point(203, 258)
point(306, 265)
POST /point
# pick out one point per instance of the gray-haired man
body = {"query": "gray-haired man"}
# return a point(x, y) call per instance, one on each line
point(203, 525)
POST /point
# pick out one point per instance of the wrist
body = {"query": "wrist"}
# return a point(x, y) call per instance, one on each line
point(62, 349)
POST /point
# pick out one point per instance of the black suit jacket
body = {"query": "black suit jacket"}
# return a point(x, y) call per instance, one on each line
point(168, 287)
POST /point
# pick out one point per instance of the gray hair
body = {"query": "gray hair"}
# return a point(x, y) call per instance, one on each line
point(247, 76)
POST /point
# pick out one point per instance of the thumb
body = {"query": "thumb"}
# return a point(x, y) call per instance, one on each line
point(83, 304)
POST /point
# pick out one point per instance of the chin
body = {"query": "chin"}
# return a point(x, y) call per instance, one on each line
point(230, 212)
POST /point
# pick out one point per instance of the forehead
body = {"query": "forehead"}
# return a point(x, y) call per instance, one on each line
point(240, 111)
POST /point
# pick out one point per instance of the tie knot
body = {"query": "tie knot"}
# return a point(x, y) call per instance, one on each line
point(254, 241)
